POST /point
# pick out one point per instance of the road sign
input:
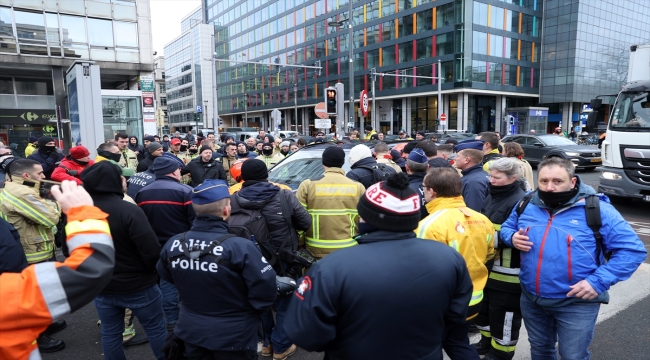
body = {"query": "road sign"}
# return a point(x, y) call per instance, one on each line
point(319, 109)
point(322, 123)
point(363, 100)
point(443, 117)
point(199, 108)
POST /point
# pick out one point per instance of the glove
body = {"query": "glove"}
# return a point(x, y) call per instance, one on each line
point(54, 155)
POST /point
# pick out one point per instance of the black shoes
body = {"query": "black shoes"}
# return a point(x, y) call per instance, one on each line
point(55, 327)
point(48, 345)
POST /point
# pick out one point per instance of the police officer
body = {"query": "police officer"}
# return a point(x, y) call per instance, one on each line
point(224, 281)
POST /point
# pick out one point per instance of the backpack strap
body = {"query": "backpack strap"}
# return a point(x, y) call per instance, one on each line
point(523, 203)
point(594, 221)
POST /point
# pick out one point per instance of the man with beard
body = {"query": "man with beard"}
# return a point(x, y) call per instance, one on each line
point(269, 158)
point(71, 167)
point(204, 167)
point(243, 152)
point(128, 158)
point(47, 155)
point(228, 159)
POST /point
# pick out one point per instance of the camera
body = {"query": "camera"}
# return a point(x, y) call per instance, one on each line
point(44, 187)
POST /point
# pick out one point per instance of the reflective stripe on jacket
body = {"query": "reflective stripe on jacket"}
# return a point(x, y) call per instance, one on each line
point(44, 293)
point(332, 204)
point(33, 217)
point(468, 232)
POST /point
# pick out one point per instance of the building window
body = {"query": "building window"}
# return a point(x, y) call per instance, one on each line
point(163, 101)
point(162, 88)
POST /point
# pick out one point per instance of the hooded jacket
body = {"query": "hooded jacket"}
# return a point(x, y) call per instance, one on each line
point(364, 176)
point(249, 154)
point(141, 152)
point(68, 165)
point(564, 249)
point(33, 217)
point(469, 232)
point(12, 255)
point(475, 186)
point(200, 171)
point(266, 196)
point(168, 206)
point(419, 287)
point(136, 246)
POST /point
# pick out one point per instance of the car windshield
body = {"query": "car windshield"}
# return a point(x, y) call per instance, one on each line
point(632, 111)
point(555, 140)
point(306, 164)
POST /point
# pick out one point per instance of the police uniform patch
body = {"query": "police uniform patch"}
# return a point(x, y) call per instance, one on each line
point(304, 286)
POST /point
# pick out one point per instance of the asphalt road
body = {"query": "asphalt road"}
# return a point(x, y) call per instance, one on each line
point(622, 335)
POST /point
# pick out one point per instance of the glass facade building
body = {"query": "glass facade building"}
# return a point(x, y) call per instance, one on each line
point(188, 75)
point(489, 51)
point(40, 39)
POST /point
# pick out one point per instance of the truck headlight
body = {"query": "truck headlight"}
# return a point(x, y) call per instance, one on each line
point(610, 175)
point(570, 153)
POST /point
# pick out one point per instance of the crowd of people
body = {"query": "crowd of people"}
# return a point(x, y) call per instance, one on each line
point(411, 248)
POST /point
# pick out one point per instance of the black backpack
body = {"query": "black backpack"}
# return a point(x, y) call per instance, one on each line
point(594, 220)
point(380, 172)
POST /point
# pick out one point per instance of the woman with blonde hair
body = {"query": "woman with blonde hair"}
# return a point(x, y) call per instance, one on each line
point(513, 150)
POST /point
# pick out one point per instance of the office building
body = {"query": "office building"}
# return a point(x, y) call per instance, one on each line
point(493, 54)
point(188, 75)
point(39, 41)
point(160, 94)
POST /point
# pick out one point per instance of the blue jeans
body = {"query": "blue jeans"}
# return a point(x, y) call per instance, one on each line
point(170, 302)
point(572, 326)
point(279, 337)
point(146, 305)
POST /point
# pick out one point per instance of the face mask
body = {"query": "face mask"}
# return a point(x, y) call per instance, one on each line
point(267, 152)
point(109, 155)
point(558, 198)
point(183, 147)
point(49, 149)
point(194, 151)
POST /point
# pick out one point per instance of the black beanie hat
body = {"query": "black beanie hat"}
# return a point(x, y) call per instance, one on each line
point(254, 170)
point(44, 140)
point(333, 156)
point(391, 205)
point(368, 128)
point(204, 148)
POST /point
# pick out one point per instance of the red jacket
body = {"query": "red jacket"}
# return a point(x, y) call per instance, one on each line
point(60, 173)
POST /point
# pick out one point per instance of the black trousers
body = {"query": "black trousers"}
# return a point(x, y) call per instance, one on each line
point(456, 343)
point(200, 353)
point(499, 321)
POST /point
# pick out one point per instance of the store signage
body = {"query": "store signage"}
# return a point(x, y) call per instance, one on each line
point(26, 116)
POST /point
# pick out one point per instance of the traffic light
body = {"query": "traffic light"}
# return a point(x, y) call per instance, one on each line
point(330, 100)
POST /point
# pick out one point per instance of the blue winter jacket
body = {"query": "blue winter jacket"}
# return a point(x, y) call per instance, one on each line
point(564, 249)
point(475, 186)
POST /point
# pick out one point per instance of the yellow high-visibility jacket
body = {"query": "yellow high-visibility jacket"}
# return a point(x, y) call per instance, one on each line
point(451, 222)
point(332, 204)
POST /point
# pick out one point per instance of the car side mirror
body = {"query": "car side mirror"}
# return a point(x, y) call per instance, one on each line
point(538, 144)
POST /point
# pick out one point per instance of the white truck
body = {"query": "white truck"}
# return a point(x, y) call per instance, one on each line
point(625, 170)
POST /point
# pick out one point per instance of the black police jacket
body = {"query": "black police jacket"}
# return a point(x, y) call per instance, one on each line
point(221, 305)
point(392, 288)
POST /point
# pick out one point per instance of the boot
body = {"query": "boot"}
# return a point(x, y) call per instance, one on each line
point(483, 346)
point(48, 345)
point(55, 327)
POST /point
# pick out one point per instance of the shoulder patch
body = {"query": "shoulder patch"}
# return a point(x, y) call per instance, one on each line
point(304, 286)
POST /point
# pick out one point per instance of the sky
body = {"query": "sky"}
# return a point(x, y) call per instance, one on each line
point(166, 18)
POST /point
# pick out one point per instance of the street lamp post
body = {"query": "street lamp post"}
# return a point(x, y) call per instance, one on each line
point(206, 118)
point(350, 64)
point(295, 106)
